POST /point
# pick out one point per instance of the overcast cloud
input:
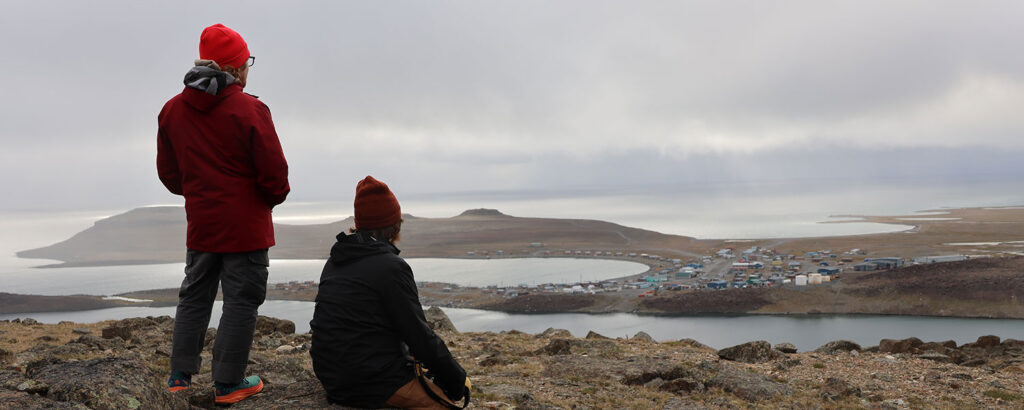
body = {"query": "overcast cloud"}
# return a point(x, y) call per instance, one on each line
point(462, 96)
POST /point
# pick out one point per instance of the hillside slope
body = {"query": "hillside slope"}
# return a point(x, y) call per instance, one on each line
point(157, 235)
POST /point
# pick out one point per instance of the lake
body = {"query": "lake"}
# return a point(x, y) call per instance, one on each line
point(806, 332)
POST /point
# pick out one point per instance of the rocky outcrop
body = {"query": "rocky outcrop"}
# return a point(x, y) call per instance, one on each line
point(785, 347)
point(268, 325)
point(555, 333)
point(838, 346)
point(642, 337)
point(106, 383)
point(750, 352)
point(513, 369)
point(438, 321)
point(836, 389)
point(748, 386)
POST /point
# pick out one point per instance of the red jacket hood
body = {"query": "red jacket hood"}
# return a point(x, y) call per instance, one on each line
point(205, 102)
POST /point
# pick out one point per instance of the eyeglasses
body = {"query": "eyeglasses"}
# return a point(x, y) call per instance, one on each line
point(252, 60)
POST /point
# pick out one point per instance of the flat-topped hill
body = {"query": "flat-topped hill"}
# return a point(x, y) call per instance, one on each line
point(157, 235)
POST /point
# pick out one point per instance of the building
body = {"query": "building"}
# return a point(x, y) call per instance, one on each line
point(939, 259)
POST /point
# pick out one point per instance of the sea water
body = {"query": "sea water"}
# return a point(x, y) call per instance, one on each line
point(806, 332)
point(112, 280)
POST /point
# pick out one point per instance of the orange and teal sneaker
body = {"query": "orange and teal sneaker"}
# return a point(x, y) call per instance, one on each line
point(179, 381)
point(228, 394)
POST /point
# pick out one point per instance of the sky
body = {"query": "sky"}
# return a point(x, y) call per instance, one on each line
point(465, 96)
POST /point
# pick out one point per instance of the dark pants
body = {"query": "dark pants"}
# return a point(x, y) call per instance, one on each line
point(243, 281)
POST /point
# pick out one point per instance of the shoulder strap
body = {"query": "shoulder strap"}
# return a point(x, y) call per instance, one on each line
point(430, 392)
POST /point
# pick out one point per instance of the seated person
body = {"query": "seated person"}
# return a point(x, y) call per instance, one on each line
point(368, 318)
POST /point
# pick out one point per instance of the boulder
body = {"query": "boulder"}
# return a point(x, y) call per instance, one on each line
point(33, 387)
point(124, 333)
point(683, 385)
point(556, 347)
point(282, 371)
point(985, 342)
point(211, 336)
point(787, 348)
point(10, 379)
point(934, 356)
point(838, 346)
point(750, 352)
point(643, 337)
point(908, 345)
point(106, 383)
point(748, 386)
point(95, 343)
point(694, 343)
point(81, 331)
point(835, 389)
point(552, 332)
point(438, 321)
point(267, 325)
point(136, 323)
point(594, 335)
point(12, 399)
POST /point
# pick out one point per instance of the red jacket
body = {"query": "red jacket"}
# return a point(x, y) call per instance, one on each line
point(221, 152)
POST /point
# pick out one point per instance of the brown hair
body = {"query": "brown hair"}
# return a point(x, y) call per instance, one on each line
point(391, 233)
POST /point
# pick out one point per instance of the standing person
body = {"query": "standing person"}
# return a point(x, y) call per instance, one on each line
point(368, 318)
point(217, 147)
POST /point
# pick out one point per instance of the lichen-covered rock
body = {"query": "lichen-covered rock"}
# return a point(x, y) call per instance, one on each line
point(683, 385)
point(908, 345)
point(125, 333)
point(694, 343)
point(10, 379)
point(267, 325)
point(211, 336)
point(748, 386)
point(555, 333)
point(985, 342)
point(556, 347)
point(836, 389)
point(95, 343)
point(33, 387)
point(786, 347)
point(107, 383)
point(12, 399)
point(750, 352)
point(438, 321)
point(935, 356)
point(594, 335)
point(838, 346)
point(643, 337)
point(282, 371)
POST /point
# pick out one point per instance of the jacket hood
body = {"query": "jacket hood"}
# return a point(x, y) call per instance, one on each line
point(352, 247)
point(205, 87)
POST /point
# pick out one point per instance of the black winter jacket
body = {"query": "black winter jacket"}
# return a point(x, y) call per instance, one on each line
point(367, 321)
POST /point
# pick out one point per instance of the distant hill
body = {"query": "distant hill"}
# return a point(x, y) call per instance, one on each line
point(157, 235)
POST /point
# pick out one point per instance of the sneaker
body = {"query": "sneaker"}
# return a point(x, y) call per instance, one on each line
point(227, 394)
point(179, 381)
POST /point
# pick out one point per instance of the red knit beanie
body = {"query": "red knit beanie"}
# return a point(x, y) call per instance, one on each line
point(376, 207)
point(223, 45)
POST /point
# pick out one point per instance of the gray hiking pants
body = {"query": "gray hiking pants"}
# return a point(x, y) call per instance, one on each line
point(243, 281)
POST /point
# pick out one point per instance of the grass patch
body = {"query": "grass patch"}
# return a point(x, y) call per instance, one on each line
point(1003, 395)
point(818, 366)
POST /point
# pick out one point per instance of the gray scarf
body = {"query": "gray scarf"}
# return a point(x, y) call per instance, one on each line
point(206, 76)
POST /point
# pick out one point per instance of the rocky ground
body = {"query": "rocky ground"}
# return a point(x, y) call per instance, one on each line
point(124, 364)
